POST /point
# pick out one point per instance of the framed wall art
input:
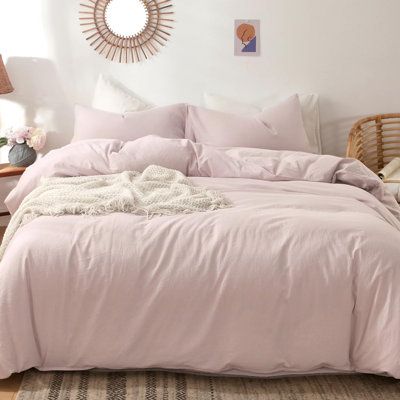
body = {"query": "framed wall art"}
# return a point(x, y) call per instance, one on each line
point(247, 37)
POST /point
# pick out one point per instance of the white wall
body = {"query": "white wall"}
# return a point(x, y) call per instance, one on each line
point(345, 50)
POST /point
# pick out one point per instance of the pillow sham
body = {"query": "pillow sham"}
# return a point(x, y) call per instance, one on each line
point(276, 128)
point(112, 96)
point(309, 108)
point(167, 122)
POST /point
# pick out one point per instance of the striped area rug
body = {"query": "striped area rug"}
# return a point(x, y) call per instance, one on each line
point(173, 386)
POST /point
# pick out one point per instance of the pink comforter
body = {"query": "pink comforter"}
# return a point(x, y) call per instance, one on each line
point(301, 275)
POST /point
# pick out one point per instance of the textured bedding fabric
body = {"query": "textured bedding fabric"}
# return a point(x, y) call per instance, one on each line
point(155, 192)
point(301, 274)
point(168, 121)
point(278, 127)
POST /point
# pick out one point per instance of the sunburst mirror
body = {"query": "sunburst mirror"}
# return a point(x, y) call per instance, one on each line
point(126, 31)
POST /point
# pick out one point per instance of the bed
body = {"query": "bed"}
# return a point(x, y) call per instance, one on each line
point(299, 275)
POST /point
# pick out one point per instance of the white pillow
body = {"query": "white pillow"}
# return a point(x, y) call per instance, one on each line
point(114, 97)
point(309, 110)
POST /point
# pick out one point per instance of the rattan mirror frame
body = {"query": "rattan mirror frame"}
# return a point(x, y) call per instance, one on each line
point(130, 49)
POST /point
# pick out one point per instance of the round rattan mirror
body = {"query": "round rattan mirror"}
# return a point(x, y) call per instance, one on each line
point(126, 31)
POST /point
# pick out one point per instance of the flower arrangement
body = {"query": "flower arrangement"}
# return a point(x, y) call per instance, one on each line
point(24, 142)
point(33, 137)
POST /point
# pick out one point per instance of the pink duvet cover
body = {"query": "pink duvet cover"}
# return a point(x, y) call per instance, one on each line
point(301, 275)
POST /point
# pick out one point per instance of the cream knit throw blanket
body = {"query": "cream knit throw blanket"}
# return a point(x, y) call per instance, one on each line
point(157, 191)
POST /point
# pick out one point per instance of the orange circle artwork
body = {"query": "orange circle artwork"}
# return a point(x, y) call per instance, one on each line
point(246, 32)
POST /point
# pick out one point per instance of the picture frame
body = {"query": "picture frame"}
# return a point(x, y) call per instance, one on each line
point(247, 37)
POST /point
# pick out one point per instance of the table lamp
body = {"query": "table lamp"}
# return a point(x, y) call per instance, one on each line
point(5, 84)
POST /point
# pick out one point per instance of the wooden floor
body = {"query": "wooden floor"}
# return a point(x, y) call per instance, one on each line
point(9, 387)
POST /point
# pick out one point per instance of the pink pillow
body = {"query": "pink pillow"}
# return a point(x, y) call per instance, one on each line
point(276, 128)
point(168, 122)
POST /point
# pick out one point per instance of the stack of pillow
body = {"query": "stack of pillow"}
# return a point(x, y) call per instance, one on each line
point(292, 124)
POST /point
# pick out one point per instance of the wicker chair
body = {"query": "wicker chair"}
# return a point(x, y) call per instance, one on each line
point(375, 140)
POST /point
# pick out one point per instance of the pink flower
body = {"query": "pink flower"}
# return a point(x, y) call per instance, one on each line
point(33, 137)
point(18, 135)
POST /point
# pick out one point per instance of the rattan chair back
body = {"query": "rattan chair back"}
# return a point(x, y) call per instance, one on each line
point(375, 140)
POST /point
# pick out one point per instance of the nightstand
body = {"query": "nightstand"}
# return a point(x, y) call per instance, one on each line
point(9, 177)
